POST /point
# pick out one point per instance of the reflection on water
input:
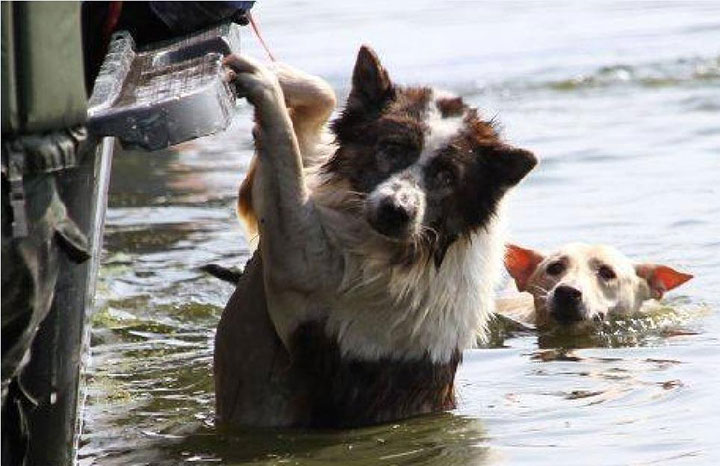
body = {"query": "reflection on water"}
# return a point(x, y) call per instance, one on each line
point(445, 438)
point(621, 103)
point(441, 439)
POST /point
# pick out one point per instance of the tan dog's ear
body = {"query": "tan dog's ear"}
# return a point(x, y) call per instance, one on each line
point(521, 264)
point(661, 278)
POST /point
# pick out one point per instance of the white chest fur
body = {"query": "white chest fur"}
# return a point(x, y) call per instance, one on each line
point(409, 312)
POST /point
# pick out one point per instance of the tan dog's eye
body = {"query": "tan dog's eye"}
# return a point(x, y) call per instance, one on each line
point(556, 268)
point(606, 273)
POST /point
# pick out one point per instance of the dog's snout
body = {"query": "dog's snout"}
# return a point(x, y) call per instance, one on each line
point(567, 304)
point(395, 208)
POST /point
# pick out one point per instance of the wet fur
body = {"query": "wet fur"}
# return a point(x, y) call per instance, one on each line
point(578, 267)
point(331, 317)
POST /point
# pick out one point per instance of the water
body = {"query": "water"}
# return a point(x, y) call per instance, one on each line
point(621, 102)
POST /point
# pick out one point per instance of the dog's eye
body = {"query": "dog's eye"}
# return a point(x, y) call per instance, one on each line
point(443, 178)
point(556, 268)
point(606, 273)
point(394, 150)
point(394, 156)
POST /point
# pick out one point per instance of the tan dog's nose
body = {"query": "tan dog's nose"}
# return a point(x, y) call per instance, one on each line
point(567, 303)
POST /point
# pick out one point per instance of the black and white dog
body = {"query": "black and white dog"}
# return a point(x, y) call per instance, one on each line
point(379, 247)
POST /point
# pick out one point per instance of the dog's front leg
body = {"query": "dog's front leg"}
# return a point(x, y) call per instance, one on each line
point(290, 235)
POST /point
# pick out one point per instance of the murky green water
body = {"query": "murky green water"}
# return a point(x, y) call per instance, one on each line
point(621, 102)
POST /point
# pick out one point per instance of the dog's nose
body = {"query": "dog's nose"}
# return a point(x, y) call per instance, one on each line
point(392, 217)
point(567, 303)
point(568, 293)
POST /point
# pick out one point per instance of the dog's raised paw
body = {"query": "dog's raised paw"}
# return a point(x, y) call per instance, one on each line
point(252, 79)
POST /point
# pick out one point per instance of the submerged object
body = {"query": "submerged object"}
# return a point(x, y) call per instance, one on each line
point(166, 94)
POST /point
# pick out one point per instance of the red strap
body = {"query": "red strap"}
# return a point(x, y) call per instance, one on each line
point(259, 36)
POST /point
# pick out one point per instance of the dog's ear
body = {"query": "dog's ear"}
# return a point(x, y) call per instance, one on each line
point(521, 264)
point(661, 278)
point(371, 85)
point(512, 164)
